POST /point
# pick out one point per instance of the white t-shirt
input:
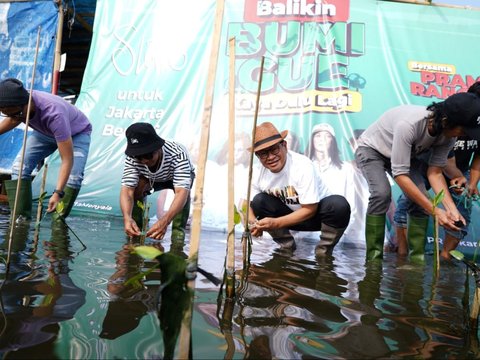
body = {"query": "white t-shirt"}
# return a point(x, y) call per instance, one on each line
point(297, 183)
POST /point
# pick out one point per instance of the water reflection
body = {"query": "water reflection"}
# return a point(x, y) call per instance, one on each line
point(38, 294)
point(62, 303)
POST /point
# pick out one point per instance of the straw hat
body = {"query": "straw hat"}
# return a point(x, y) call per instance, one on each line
point(266, 135)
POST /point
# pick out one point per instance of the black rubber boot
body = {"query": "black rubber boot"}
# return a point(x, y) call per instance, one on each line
point(328, 239)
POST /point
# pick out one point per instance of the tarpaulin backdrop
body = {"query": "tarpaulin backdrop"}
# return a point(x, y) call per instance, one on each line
point(19, 24)
point(331, 67)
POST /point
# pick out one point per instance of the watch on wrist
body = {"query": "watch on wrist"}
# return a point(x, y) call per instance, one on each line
point(60, 193)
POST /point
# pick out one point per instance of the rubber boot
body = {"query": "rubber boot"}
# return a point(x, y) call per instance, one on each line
point(416, 237)
point(68, 201)
point(328, 239)
point(283, 238)
point(24, 204)
point(179, 223)
point(375, 236)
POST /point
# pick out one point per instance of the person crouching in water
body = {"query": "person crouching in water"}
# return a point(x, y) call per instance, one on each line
point(288, 194)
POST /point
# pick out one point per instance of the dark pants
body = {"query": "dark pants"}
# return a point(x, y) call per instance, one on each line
point(333, 210)
point(374, 167)
point(144, 188)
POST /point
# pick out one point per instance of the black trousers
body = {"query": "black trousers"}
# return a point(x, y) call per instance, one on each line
point(333, 210)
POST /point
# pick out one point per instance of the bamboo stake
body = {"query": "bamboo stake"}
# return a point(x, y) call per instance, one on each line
point(22, 159)
point(246, 236)
point(58, 48)
point(185, 332)
point(230, 286)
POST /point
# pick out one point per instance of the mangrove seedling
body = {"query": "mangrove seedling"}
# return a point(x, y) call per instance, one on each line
point(437, 199)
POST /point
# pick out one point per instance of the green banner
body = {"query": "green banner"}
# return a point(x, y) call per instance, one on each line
point(334, 67)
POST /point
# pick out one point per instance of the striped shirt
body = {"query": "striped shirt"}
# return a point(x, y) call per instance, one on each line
point(176, 166)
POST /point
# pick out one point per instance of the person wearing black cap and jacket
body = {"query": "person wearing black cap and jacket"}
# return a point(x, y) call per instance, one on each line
point(56, 125)
point(154, 164)
point(394, 144)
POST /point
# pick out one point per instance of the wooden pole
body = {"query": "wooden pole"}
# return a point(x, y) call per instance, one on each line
point(58, 49)
point(246, 234)
point(230, 286)
point(185, 332)
point(22, 159)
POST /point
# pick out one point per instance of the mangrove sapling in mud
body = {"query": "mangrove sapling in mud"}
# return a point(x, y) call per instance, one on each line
point(475, 309)
point(437, 199)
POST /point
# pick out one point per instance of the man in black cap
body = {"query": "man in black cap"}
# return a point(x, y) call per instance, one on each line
point(56, 125)
point(397, 143)
point(154, 164)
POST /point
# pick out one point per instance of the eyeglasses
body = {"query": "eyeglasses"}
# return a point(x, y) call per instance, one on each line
point(274, 150)
point(17, 114)
point(148, 156)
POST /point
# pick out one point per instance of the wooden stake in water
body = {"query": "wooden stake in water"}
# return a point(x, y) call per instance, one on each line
point(230, 282)
point(185, 333)
point(22, 158)
point(246, 236)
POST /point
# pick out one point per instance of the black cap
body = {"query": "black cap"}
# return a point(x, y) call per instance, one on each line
point(142, 139)
point(12, 93)
point(463, 109)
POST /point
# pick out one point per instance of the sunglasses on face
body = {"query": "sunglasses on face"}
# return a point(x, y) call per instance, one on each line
point(148, 156)
point(274, 150)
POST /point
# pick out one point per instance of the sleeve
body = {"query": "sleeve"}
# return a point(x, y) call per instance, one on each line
point(130, 174)
point(403, 138)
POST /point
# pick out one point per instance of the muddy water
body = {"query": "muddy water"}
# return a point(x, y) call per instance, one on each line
point(64, 301)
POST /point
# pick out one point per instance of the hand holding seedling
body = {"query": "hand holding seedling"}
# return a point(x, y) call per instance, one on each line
point(458, 184)
point(131, 227)
point(158, 230)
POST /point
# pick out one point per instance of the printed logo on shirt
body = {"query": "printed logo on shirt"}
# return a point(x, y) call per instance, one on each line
point(134, 141)
point(288, 195)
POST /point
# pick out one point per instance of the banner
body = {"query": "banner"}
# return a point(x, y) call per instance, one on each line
point(331, 68)
point(19, 26)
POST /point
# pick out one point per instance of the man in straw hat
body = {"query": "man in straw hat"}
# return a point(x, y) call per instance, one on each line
point(56, 125)
point(154, 164)
point(396, 143)
point(288, 194)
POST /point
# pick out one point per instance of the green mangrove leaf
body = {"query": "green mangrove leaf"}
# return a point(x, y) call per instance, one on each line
point(140, 204)
point(42, 197)
point(457, 255)
point(60, 207)
point(147, 252)
point(237, 219)
point(438, 198)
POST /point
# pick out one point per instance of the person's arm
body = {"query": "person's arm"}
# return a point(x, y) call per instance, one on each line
point(474, 176)
point(413, 192)
point(456, 176)
point(8, 124)
point(65, 148)
point(306, 212)
point(126, 206)
point(158, 230)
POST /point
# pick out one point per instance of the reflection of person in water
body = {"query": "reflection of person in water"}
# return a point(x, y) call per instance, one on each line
point(57, 298)
point(129, 302)
point(337, 175)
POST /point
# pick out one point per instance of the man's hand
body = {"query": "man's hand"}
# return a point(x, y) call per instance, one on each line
point(52, 203)
point(458, 184)
point(449, 220)
point(158, 230)
point(131, 227)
